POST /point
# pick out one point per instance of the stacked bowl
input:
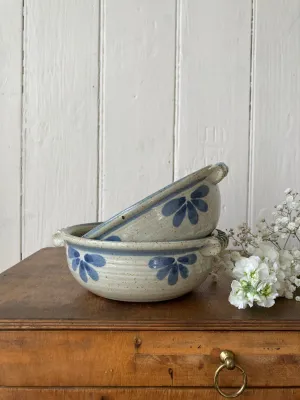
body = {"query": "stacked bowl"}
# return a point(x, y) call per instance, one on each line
point(158, 249)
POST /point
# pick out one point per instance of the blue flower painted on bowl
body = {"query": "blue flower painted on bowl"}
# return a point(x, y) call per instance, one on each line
point(171, 267)
point(86, 265)
point(181, 205)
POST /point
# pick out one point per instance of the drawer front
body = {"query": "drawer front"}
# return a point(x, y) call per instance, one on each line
point(91, 358)
point(142, 394)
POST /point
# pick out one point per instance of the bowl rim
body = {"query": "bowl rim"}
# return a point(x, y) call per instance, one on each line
point(137, 209)
point(66, 235)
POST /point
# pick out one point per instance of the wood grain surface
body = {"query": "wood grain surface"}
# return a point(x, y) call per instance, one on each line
point(141, 394)
point(91, 358)
point(40, 293)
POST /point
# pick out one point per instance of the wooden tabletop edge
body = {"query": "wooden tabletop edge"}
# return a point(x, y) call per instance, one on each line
point(148, 325)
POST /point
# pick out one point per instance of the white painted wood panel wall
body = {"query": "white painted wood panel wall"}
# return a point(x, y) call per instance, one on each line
point(104, 101)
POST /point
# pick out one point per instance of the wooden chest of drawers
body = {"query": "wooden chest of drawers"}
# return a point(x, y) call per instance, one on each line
point(58, 341)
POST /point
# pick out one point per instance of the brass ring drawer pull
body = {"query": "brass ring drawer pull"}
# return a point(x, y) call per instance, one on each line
point(227, 359)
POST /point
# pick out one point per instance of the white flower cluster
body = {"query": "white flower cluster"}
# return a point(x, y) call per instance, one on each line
point(265, 275)
point(287, 216)
point(255, 283)
point(265, 267)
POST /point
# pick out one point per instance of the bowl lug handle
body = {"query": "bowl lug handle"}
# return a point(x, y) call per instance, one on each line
point(213, 245)
point(218, 172)
point(57, 239)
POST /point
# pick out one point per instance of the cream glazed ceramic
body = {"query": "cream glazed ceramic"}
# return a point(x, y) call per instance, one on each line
point(186, 209)
point(138, 272)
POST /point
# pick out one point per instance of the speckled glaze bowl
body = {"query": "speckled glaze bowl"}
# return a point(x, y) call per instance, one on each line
point(186, 209)
point(138, 271)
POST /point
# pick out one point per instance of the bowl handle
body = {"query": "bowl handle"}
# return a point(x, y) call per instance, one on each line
point(57, 239)
point(218, 172)
point(213, 245)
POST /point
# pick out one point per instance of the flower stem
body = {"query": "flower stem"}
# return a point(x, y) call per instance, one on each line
point(286, 241)
point(275, 244)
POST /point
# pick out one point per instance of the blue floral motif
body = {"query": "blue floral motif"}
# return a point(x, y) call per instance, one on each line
point(181, 205)
point(169, 266)
point(86, 265)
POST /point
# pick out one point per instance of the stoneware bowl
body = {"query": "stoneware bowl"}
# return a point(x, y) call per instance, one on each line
point(138, 271)
point(186, 209)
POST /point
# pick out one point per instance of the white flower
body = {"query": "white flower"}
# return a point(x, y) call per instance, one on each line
point(248, 269)
point(288, 273)
point(291, 288)
point(267, 295)
point(297, 269)
point(237, 296)
point(286, 258)
point(275, 266)
point(296, 253)
point(270, 270)
point(291, 226)
point(288, 295)
point(297, 282)
point(280, 275)
point(292, 205)
point(280, 287)
point(267, 250)
point(284, 221)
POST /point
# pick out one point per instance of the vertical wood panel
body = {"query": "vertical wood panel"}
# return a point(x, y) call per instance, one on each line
point(10, 129)
point(60, 117)
point(213, 96)
point(145, 74)
point(276, 103)
point(139, 51)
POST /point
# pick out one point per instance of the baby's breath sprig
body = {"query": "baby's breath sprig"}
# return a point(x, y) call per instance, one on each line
point(265, 263)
